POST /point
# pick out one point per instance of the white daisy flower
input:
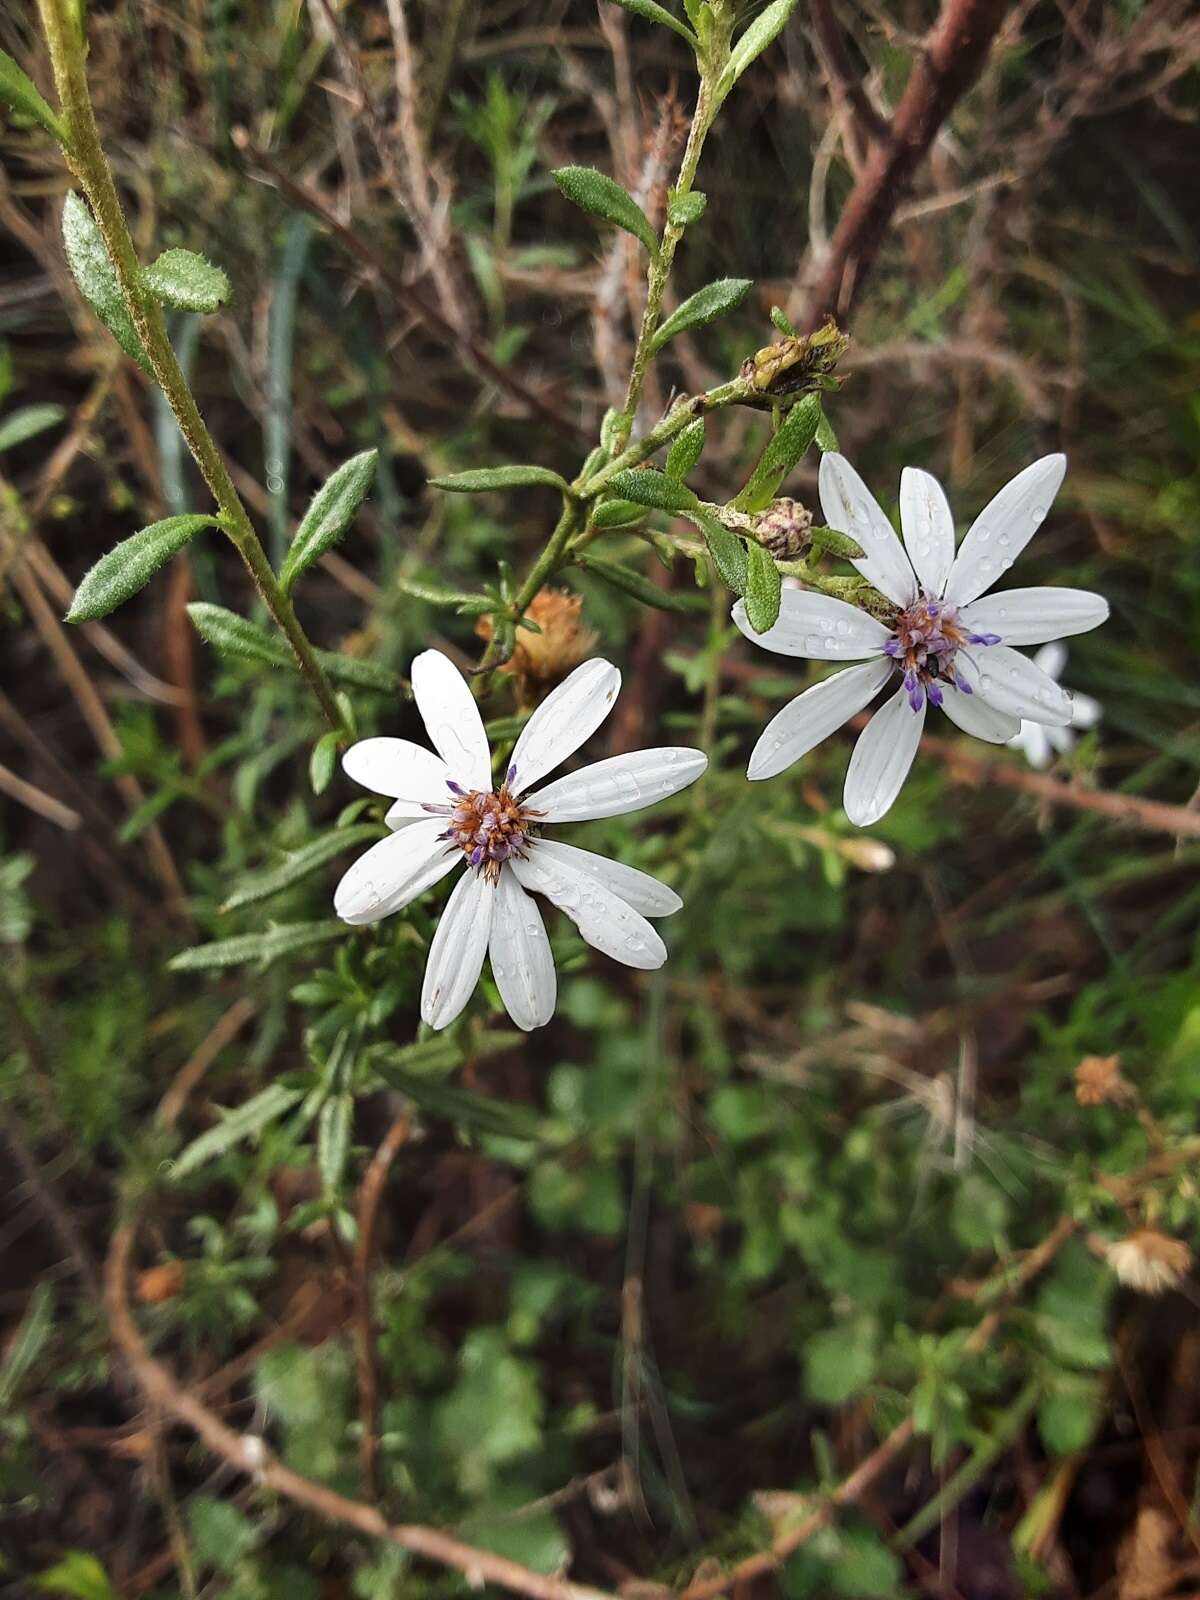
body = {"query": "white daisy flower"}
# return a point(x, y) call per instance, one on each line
point(448, 813)
point(1040, 743)
point(950, 646)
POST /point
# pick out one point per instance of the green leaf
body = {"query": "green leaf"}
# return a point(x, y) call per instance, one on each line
point(323, 762)
point(796, 433)
point(333, 1139)
point(36, 1326)
point(826, 438)
point(684, 209)
point(646, 487)
point(475, 1112)
point(329, 515)
point(27, 423)
point(656, 13)
point(728, 552)
point(235, 1126)
point(864, 1568)
point(221, 1534)
point(633, 583)
point(130, 565)
point(186, 281)
point(702, 308)
point(761, 32)
point(764, 587)
point(18, 90)
point(87, 257)
point(78, 1575)
point(299, 864)
point(261, 947)
point(838, 1363)
point(685, 450)
point(1070, 1414)
point(616, 514)
point(597, 194)
point(481, 479)
point(244, 640)
point(780, 320)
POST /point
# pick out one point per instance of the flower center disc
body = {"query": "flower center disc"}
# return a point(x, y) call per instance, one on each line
point(927, 637)
point(488, 826)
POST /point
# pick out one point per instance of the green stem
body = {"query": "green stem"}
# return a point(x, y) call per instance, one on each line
point(90, 165)
point(546, 565)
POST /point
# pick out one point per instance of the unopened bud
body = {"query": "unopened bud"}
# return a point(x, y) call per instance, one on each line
point(783, 529)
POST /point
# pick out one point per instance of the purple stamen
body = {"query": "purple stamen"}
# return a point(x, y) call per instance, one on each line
point(983, 638)
point(512, 776)
point(935, 693)
point(455, 788)
point(964, 685)
point(892, 648)
point(476, 855)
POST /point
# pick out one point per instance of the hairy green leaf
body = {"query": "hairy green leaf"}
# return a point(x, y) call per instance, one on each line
point(299, 864)
point(333, 1139)
point(701, 308)
point(685, 450)
point(762, 31)
point(18, 90)
point(684, 209)
point(633, 583)
point(235, 1126)
point(27, 423)
point(616, 514)
point(727, 550)
point(329, 515)
point(186, 281)
point(826, 438)
point(656, 13)
point(238, 637)
point(87, 257)
point(130, 565)
point(261, 947)
point(645, 487)
point(479, 479)
point(764, 588)
point(796, 433)
point(323, 762)
point(597, 194)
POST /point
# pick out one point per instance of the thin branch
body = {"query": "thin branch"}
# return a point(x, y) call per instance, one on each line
point(844, 81)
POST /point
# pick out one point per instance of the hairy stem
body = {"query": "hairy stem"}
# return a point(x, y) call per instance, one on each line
point(90, 166)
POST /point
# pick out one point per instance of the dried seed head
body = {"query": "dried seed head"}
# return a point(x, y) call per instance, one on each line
point(540, 660)
point(1149, 1261)
point(1098, 1082)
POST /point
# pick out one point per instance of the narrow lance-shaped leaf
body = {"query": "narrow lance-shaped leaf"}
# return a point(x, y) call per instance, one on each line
point(656, 13)
point(764, 588)
point(333, 1139)
point(701, 308)
point(131, 564)
point(597, 194)
point(329, 515)
point(323, 762)
point(236, 636)
point(685, 450)
point(300, 864)
point(186, 281)
point(263, 948)
point(765, 27)
point(480, 479)
point(248, 1120)
point(684, 209)
point(827, 439)
point(796, 434)
point(727, 550)
point(18, 90)
point(650, 488)
point(633, 583)
point(27, 423)
point(616, 514)
point(87, 257)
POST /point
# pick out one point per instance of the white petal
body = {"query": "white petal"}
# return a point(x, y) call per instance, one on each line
point(975, 716)
point(452, 719)
point(814, 715)
point(620, 784)
point(520, 955)
point(881, 760)
point(1003, 528)
point(1052, 658)
point(1011, 682)
point(1062, 739)
point(1085, 712)
point(604, 920)
point(1031, 616)
point(400, 768)
point(456, 954)
point(851, 508)
point(565, 718)
point(637, 889)
point(394, 871)
point(928, 527)
point(817, 627)
point(1033, 741)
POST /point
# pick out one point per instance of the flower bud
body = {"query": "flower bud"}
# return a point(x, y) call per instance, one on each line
point(783, 529)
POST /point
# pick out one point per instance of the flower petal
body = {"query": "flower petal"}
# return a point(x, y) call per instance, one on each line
point(1085, 712)
point(1033, 616)
point(817, 627)
point(851, 508)
point(604, 920)
point(393, 872)
point(973, 715)
point(928, 527)
point(814, 715)
point(881, 760)
point(1003, 528)
point(400, 768)
point(520, 955)
point(458, 948)
point(452, 719)
point(565, 718)
point(637, 889)
point(620, 784)
point(1011, 682)
point(1052, 658)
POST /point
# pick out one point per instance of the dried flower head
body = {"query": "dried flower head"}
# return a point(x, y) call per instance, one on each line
point(1099, 1082)
point(1149, 1261)
point(798, 361)
point(544, 658)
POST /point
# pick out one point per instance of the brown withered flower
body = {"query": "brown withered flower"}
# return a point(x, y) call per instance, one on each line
point(540, 660)
point(1099, 1082)
point(798, 361)
point(1149, 1261)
